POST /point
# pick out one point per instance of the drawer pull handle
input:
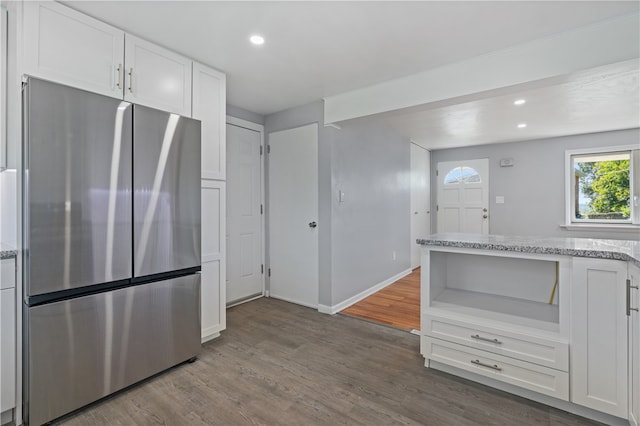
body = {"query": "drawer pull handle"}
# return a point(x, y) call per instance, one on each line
point(478, 337)
point(493, 367)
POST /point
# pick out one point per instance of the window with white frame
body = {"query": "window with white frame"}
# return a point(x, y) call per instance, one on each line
point(602, 186)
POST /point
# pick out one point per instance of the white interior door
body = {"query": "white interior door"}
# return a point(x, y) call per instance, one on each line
point(293, 215)
point(463, 196)
point(244, 221)
point(420, 199)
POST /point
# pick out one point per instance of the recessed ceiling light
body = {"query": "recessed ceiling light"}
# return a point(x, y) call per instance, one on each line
point(256, 39)
point(522, 125)
point(519, 102)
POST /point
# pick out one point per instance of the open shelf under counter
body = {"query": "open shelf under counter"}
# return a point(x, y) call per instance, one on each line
point(525, 291)
point(509, 310)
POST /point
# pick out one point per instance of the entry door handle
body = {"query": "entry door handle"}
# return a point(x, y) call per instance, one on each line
point(312, 224)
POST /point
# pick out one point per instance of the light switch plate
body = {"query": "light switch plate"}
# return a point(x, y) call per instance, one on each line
point(499, 199)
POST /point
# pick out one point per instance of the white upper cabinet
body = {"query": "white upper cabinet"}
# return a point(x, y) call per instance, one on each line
point(209, 106)
point(157, 77)
point(68, 47)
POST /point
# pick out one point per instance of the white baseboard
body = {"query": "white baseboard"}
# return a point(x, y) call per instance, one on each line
point(209, 334)
point(297, 302)
point(331, 310)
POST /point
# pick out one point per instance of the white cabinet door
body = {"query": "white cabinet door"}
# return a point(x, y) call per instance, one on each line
point(634, 346)
point(209, 106)
point(156, 77)
point(599, 335)
point(213, 310)
point(70, 48)
point(7, 349)
point(7, 273)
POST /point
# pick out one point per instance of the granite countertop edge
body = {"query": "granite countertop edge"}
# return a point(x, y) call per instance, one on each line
point(629, 251)
point(7, 251)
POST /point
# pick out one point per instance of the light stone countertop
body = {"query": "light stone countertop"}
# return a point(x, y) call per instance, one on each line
point(625, 250)
point(7, 251)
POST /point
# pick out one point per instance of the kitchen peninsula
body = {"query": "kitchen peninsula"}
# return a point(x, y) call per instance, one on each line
point(551, 319)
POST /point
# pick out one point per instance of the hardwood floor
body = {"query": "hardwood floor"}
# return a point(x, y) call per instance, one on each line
point(397, 305)
point(279, 363)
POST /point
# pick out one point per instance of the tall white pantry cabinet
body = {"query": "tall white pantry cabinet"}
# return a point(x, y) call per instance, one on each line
point(68, 47)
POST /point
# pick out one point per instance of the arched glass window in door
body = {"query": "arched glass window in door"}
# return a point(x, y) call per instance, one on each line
point(462, 174)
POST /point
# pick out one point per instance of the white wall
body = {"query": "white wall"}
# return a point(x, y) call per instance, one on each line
point(371, 165)
point(244, 114)
point(534, 187)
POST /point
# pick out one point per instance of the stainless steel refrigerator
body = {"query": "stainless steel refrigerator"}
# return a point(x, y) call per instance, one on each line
point(111, 220)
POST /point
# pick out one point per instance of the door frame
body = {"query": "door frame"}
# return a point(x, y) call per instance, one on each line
point(412, 240)
point(260, 129)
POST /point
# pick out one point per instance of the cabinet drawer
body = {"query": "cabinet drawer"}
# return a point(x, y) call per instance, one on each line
point(519, 373)
point(7, 273)
point(539, 350)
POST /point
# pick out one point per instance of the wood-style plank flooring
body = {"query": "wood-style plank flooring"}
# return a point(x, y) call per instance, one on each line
point(397, 305)
point(283, 364)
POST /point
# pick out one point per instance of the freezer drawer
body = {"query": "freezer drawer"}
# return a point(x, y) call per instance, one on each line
point(166, 182)
point(83, 349)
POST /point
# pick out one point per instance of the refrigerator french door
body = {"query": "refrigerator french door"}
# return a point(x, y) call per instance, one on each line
point(111, 220)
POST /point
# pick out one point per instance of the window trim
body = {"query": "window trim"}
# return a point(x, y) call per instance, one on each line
point(570, 223)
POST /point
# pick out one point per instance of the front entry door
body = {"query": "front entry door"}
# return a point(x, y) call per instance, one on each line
point(463, 196)
point(293, 215)
point(244, 222)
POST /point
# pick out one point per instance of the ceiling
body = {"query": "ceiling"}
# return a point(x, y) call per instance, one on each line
point(603, 99)
point(319, 49)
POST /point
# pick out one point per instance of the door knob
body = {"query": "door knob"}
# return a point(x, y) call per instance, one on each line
point(415, 212)
point(484, 216)
point(312, 224)
point(484, 210)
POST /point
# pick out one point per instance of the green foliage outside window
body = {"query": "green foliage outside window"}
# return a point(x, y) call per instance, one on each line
point(606, 185)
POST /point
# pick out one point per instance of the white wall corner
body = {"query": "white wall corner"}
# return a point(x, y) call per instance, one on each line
point(603, 43)
point(325, 309)
point(334, 309)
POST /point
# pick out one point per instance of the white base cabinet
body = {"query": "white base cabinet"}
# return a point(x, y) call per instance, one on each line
point(7, 337)
point(213, 282)
point(496, 315)
point(599, 378)
point(634, 345)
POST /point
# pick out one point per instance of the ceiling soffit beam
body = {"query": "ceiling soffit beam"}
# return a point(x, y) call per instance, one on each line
point(607, 42)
